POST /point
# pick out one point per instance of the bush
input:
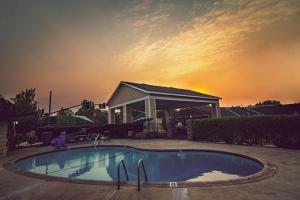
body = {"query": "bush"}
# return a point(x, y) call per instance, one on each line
point(283, 131)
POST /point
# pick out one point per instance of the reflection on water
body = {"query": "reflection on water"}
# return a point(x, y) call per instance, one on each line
point(101, 164)
point(213, 176)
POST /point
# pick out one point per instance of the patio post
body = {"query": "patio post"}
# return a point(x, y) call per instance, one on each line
point(189, 127)
point(150, 112)
point(169, 125)
point(125, 120)
point(216, 113)
point(111, 116)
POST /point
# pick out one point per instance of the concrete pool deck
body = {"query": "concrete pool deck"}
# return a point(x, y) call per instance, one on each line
point(285, 184)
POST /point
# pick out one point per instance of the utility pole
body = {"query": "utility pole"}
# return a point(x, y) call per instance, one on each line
point(50, 102)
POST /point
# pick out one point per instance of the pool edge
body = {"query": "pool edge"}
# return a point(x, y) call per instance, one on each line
point(269, 170)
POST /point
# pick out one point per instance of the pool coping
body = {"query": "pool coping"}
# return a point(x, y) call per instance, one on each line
point(269, 170)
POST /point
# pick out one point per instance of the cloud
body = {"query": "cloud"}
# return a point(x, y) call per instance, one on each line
point(226, 47)
point(207, 40)
point(139, 6)
point(145, 17)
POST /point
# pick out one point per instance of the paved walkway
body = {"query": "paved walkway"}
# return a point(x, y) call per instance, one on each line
point(285, 184)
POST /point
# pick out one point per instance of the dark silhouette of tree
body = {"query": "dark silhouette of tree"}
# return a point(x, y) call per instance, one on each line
point(88, 109)
point(65, 117)
point(25, 102)
point(268, 103)
point(6, 107)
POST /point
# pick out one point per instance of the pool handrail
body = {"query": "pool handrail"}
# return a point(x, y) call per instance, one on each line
point(125, 170)
point(140, 162)
point(96, 138)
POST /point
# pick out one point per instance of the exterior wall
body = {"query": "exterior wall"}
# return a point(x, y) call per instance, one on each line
point(3, 138)
point(125, 94)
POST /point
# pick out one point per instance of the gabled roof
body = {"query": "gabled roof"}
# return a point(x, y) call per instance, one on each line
point(153, 89)
point(160, 90)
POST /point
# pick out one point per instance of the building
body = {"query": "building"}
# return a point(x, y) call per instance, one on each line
point(150, 99)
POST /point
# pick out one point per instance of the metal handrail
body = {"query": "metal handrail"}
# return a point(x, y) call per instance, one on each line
point(97, 137)
point(138, 173)
point(124, 167)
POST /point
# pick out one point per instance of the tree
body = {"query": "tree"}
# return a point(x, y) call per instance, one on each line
point(268, 103)
point(88, 109)
point(65, 117)
point(6, 107)
point(25, 102)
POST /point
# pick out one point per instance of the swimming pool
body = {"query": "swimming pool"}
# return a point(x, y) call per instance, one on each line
point(100, 163)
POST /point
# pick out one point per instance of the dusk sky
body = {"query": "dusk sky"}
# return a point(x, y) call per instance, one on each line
point(241, 50)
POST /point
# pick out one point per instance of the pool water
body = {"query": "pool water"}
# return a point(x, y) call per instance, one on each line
point(100, 163)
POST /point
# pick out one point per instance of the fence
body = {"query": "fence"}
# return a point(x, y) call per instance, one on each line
point(26, 140)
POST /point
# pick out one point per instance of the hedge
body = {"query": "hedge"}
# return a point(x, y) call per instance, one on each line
point(282, 131)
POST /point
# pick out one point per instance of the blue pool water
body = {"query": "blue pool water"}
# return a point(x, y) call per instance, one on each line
point(101, 163)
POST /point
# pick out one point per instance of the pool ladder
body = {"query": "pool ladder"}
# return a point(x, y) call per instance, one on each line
point(140, 163)
point(125, 170)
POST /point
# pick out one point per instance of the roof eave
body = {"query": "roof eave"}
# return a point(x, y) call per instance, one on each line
point(182, 95)
point(163, 93)
point(158, 93)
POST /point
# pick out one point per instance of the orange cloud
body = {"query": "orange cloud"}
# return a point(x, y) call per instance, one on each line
point(208, 44)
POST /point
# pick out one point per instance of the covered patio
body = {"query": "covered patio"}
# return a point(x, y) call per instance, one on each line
point(133, 101)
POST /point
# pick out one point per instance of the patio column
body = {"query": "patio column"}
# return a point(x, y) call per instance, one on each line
point(167, 114)
point(216, 112)
point(189, 127)
point(150, 112)
point(169, 126)
point(125, 114)
point(111, 116)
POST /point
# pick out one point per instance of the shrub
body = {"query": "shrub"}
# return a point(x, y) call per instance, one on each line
point(283, 131)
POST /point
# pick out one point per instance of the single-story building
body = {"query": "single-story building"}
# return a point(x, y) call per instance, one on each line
point(129, 96)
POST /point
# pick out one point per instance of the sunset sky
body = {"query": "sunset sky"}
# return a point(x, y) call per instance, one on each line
point(241, 50)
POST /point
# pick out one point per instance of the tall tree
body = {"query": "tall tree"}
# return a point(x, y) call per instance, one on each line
point(25, 101)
